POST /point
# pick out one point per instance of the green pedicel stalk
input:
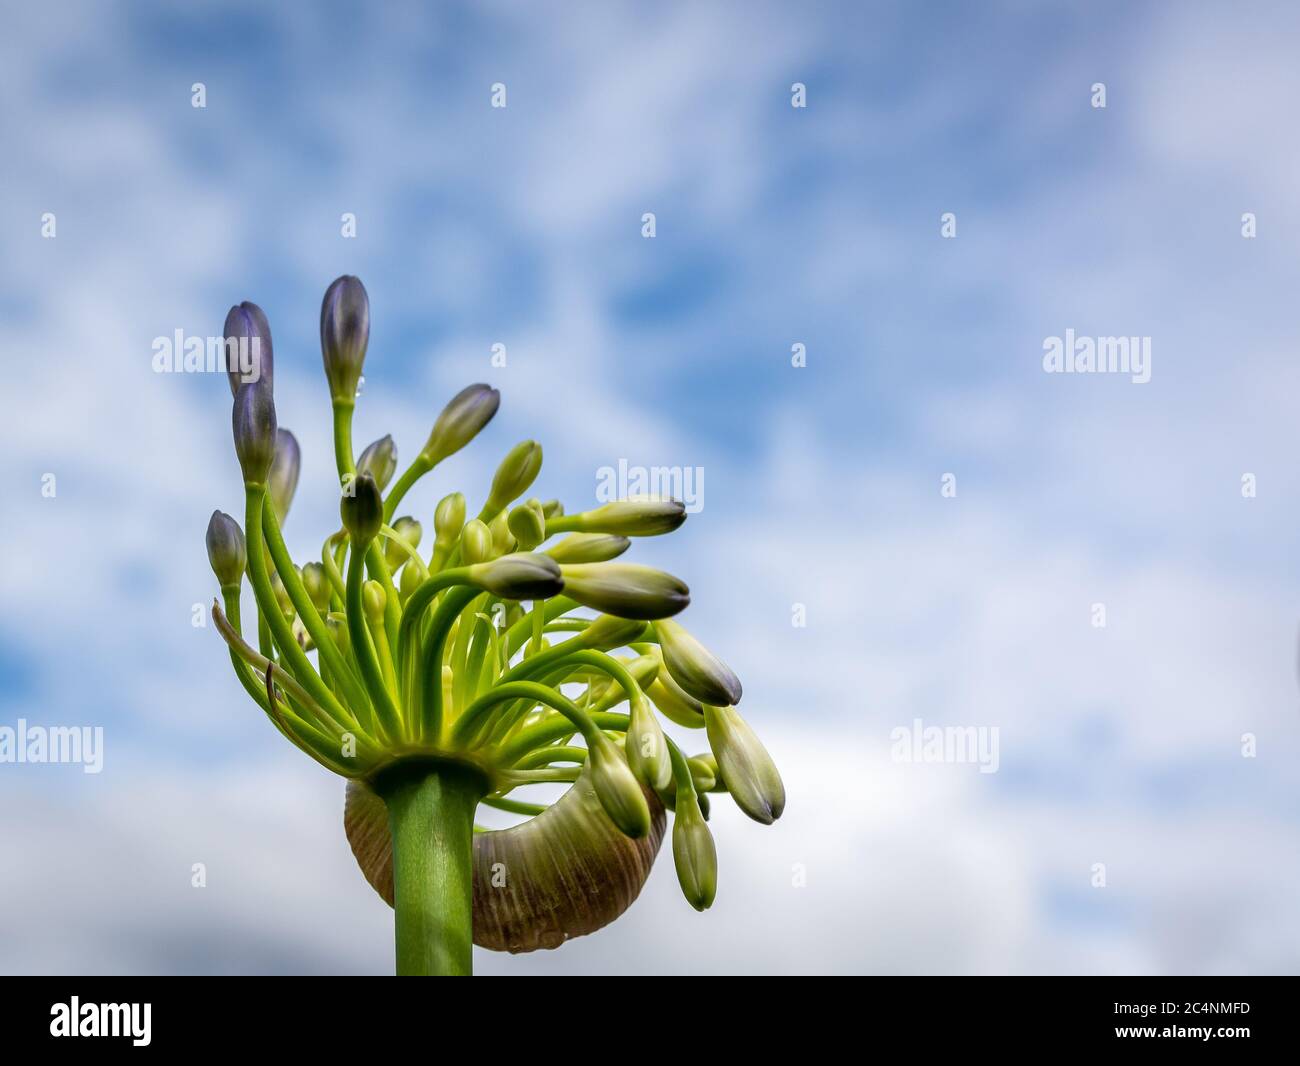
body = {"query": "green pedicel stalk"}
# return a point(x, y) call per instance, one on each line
point(451, 693)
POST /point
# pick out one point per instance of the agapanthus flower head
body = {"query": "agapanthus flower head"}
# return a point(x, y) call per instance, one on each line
point(440, 681)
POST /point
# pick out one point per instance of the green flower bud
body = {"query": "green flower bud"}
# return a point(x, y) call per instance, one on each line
point(522, 576)
point(253, 423)
point(502, 542)
point(609, 631)
point(552, 509)
point(634, 518)
point(344, 335)
point(646, 748)
point(448, 519)
point(703, 774)
point(379, 460)
point(282, 481)
point(226, 550)
point(460, 421)
point(476, 542)
point(588, 548)
point(527, 524)
point(625, 589)
point(694, 855)
point(697, 670)
point(674, 704)
point(747, 770)
point(411, 532)
point(282, 596)
point(617, 788)
point(412, 578)
point(517, 471)
point(362, 509)
point(317, 584)
point(373, 601)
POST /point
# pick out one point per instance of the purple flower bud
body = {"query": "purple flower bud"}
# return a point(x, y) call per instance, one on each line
point(379, 460)
point(362, 508)
point(460, 421)
point(226, 550)
point(253, 421)
point(344, 335)
point(282, 481)
point(248, 347)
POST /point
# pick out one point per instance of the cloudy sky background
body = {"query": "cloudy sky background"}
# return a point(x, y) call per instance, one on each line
point(776, 226)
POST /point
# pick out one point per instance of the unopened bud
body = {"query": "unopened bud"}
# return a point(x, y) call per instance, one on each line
point(527, 525)
point(609, 632)
point(517, 471)
point(632, 518)
point(411, 532)
point(253, 423)
point(646, 748)
point(626, 589)
point(282, 481)
point(747, 770)
point(476, 542)
point(362, 509)
point(226, 549)
point(674, 704)
point(697, 670)
point(448, 519)
point(379, 460)
point(344, 335)
point(694, 855)
point(523, 576)
point(502, 541)
point(617, 788)
point(317, 584)
point(588, 548)
point(373, 601)
point(248, 355)
point(460, 421)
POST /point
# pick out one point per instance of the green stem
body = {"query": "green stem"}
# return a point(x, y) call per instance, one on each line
point(431, 816)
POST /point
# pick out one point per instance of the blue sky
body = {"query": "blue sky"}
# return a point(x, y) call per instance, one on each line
point(775, 226)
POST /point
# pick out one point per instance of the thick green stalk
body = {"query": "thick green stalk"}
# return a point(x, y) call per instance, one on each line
point(431, 817)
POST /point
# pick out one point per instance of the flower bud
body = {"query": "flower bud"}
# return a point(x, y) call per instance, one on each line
point(747, 770)
point(344, 334)
point(282, 481)
point(247, 337)
point(448, 519)
point(379, 460)
point(410, 531)
point(362, 509)
point(646, 748)
point(502, 542)
point(522, 576)
point(703, 774)
point(282, 596)
point(552, 509)
point(373, 601)
point(697, 670)
point(674, 704)
point(517, 471)
point(226, 550)
point(317, 584)
point(527, 525)
point(412, 578)
point(694, 856)
point(588, 548)
point(460, 421)
point(617, 788)
point(476, 542)
point(633, 518)
point(609, 631)
point(253, 423)
point(625, 589)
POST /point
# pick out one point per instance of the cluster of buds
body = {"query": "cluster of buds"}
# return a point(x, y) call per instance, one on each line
point(516, 651)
